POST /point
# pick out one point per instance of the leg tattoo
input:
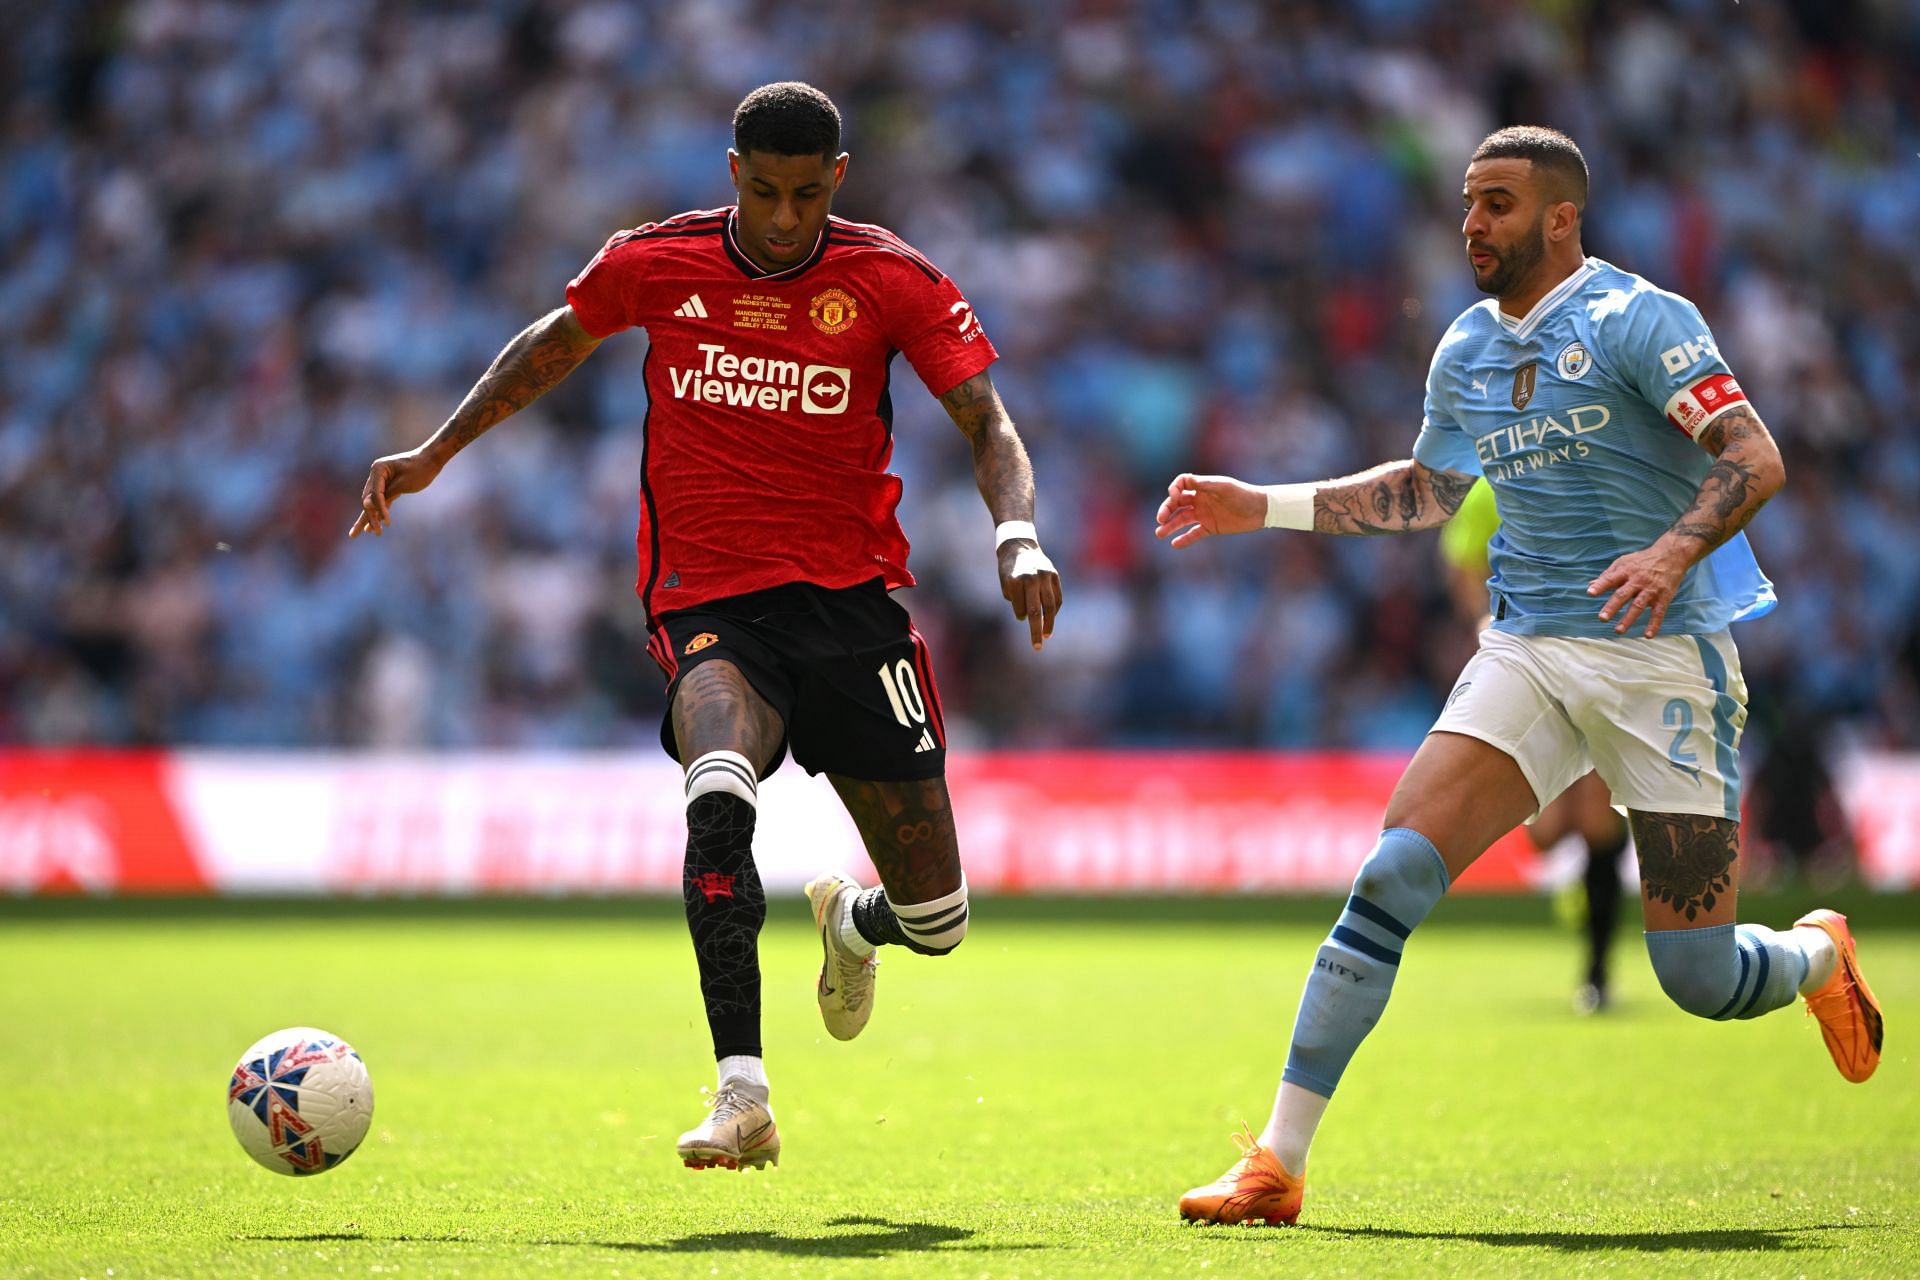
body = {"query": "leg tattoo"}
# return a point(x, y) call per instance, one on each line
point(908, 830)
point(1687, 860)
point(921, 903)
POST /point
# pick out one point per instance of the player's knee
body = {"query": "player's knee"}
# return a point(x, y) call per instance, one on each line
point(1697, 968)
point(1404, 875)
point(935, 928)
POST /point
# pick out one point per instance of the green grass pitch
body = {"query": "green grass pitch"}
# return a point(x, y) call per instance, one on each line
point(1031, 1106)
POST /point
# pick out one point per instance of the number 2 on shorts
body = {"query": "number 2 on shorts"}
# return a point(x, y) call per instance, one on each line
point(1679, 717)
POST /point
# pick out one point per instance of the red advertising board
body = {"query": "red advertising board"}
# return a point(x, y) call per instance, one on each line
point(1030, 822)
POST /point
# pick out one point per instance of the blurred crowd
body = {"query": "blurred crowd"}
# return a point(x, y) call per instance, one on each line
point(248, 245)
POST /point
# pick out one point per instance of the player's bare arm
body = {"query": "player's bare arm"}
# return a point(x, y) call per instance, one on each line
point(1399, 497)
point(533, 363)
point(1028, 579)
point(1746, 472)
point(1395, 497)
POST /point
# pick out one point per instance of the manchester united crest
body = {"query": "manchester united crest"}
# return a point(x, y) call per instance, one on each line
point(700, 642)
point(833, 311)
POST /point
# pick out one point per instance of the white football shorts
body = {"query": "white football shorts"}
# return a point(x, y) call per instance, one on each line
point(1659, 719)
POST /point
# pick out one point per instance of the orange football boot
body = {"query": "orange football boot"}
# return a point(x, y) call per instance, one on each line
point(1849, 1015)
point(1258, 1187)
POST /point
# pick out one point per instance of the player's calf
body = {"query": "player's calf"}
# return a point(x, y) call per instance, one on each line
point(1347, 990)
point(1727, 971)
point(726, 905)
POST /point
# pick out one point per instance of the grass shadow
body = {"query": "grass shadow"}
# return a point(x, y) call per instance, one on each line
point(884, 1240)
point(311, 1237)
point(1734, 1240)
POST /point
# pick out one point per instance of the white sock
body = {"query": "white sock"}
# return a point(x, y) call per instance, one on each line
point(1289, 1132)
point(850, 937)
point(744, 1069)
point(1822, 956)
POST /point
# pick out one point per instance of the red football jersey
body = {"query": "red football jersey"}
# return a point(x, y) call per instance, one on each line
point(770, 417)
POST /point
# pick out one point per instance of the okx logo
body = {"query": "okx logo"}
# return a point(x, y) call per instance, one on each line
point(824, 389)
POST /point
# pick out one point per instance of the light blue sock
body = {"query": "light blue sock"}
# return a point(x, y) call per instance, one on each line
point(1353, 975)
point(1727, 971)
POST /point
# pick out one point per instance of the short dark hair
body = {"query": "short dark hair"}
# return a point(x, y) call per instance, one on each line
point(787, 119)
point(1555, 156)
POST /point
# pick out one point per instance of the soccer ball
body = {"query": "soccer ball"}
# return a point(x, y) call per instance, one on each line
point(300, 1101)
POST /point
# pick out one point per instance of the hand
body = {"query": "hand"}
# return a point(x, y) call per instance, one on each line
point(1203, 506)
point(1030, 585)
point(387, 479)
point(1642, 581)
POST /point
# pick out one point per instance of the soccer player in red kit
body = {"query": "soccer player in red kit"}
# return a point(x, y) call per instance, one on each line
point(768, 545)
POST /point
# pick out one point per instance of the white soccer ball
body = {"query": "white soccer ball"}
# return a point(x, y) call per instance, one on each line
point(300, 1101)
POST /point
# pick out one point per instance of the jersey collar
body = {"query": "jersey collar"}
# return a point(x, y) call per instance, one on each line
point(1523, 327)
point(753, 270)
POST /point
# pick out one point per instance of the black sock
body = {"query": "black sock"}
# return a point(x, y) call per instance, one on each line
point(725, 908)
point(873, 917)
point(1603, 905)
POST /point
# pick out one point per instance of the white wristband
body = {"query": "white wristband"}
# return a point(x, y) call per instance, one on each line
point(1007, 530)
point(1290, 506)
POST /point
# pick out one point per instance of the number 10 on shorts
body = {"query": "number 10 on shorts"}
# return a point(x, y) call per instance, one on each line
point(903, 691)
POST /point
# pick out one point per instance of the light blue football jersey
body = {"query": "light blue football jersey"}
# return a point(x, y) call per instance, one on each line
point(1583, 416)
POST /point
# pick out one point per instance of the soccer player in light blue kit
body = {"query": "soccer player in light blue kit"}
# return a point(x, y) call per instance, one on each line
point(1626, 461)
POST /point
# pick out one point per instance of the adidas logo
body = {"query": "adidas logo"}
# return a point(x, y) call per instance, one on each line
point(692, 309)
point(926, 743)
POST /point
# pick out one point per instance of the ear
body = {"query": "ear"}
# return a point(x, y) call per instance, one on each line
point(1563, 220)
point(840, 169)
point(733, 167)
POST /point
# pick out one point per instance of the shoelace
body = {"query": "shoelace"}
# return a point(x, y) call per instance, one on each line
point(726, 1104)
point(1249, 1149)
point(853, 970)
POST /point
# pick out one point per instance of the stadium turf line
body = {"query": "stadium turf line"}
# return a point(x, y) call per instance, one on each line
point(1031, 1106)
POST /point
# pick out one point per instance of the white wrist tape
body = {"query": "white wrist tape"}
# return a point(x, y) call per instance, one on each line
point(1290, 506)
point(1028, 561)
point(1007, 530)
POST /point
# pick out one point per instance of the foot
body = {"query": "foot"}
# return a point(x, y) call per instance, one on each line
point(845, 989)
point(1849, 1015)
point(1591, 998)
point(738, 1132)
point(1255, 1188)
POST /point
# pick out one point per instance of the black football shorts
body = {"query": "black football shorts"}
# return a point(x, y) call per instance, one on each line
point(849, 675)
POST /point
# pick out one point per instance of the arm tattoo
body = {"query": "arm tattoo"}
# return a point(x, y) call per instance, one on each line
point(1449, 490)
point(1000, 465)
point(1686, 859)
point(1396, 498)
point(1732, 494)
point(538, 358)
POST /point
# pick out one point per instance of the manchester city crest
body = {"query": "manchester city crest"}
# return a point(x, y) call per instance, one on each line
point(1574, 362)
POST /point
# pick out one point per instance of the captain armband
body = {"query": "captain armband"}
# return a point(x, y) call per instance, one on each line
point(1700, 402)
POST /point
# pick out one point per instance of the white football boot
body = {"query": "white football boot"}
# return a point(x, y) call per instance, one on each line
point(845, 988)
point(738, 1132)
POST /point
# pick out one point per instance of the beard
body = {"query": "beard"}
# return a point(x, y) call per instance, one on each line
point(1515, 264)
